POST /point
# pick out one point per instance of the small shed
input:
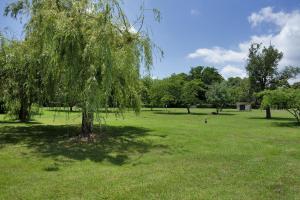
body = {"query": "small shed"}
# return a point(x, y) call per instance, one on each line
point(243, 106)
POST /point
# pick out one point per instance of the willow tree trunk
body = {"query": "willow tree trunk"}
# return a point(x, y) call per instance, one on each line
point(188, 109)
point(298, 120)
point(268, 113)
point(87, 124)
point(24, 112)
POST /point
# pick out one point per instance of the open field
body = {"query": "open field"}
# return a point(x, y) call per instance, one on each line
point(156, 155)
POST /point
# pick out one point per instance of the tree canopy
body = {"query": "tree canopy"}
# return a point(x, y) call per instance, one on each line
point(283, 98)
point(262, 66)
point(218, 95)
point(20, 78)
point(190, 93)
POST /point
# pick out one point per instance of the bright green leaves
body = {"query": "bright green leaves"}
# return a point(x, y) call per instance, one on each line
point(283, 98)
point(90, 56)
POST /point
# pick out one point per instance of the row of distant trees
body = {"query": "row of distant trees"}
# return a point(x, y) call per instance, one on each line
point(205, 85)
point(201, 86)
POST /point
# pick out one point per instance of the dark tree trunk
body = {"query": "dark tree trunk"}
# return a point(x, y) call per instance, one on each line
point(268, 113)
point(296, 114)
point(87, 124)
point(188, 109)
point(2, 109)
point(71, 108)
point(298, 121)
point(24, 113)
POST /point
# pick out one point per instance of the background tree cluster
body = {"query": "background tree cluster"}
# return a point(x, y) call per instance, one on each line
point(283, 98)
point(200, 87)
point(204, 86)
point(262, 68)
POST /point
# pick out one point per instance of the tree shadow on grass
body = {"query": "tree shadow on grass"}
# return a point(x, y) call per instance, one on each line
point(280, 121)
point(177, 113)
point(153, 110)
point(291, 124)
point(14, 122)
point(116, 144)
point(226, 114)
point(185, 113)
point(75, 111)
point(233, 111)
point(274, 118)
point(64, 111)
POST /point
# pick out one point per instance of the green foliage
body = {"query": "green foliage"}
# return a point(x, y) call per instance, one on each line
point(20, 78)
point(146, 86)
point(239, 90)
point(167, 91)
point(296, 85)
point(208, 75)
point(100, 62)
point(262, 67)
point(17, 8)
point(173, 89)
point(191, 91)
point(156, 93)
point(283, 98)
point(263, 71)
point(285, 75)
point(218, 95)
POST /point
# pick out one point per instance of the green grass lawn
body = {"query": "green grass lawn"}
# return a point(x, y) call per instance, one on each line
point(156, 155)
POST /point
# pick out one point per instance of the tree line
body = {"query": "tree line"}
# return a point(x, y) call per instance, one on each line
point(201, 86)
point(204, 86)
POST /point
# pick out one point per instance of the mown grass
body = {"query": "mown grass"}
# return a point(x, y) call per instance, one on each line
point(156, 155)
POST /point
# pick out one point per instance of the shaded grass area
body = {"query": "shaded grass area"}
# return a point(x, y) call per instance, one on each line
point(59, 140)
point(155, 155)
point(11, 122)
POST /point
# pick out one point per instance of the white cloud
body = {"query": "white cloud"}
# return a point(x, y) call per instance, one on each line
point(294, 80)
point(286, 39)
point(195, 12)
point(232, 71)
point(267, 15)
point(217, 55)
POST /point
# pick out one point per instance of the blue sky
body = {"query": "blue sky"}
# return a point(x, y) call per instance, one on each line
point(212, 32)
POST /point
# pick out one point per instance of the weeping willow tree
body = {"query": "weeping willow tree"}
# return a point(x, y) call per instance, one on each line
point(88, 47)
point(19, 78)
